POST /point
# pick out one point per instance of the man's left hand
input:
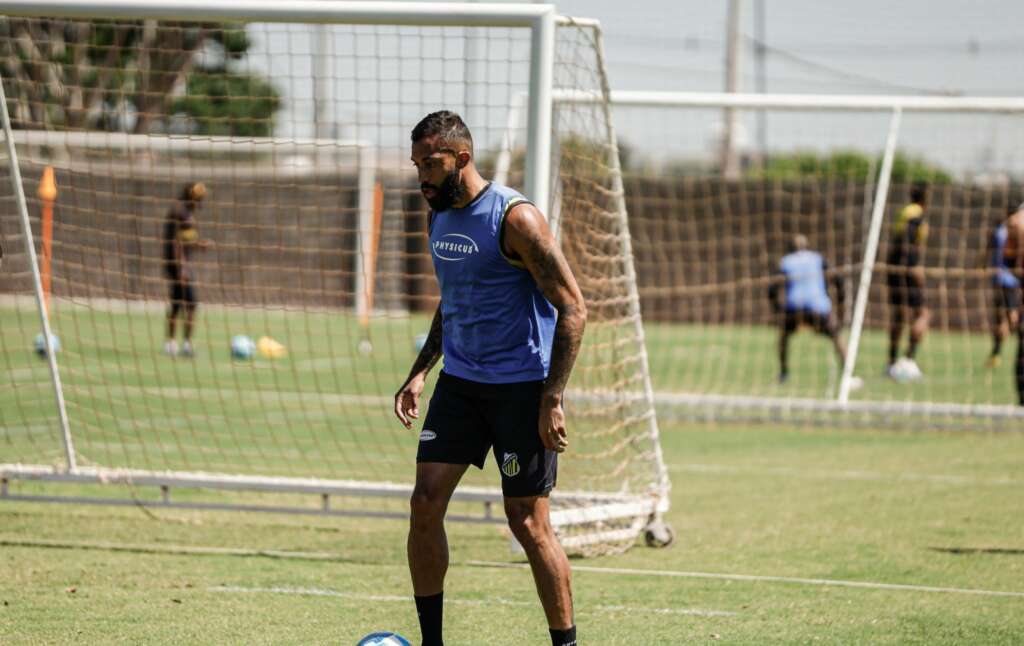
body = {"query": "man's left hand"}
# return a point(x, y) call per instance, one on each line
point(552, 427)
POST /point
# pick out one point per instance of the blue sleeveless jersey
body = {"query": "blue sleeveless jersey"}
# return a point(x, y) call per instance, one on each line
point(1004, 277)
point(805, 282)
point(498, 327)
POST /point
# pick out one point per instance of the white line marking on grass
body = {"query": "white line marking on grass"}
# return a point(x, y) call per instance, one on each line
point(167, 549)
point(274, 396)
point(841, 475)
point(772, 579)
point(320, 592)
point(28, 430)
point(26, 376)
point(318, 364)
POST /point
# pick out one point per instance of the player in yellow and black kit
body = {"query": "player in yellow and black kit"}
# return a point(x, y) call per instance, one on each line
point(906, 276)
point(181, 241)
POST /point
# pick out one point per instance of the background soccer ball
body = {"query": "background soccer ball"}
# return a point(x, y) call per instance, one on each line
point(242, 347)
point(40, 344)
point(419, 342)
point(905, 370)
point(383, 639)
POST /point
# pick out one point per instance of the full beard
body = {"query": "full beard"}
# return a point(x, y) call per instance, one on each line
point(446, 195)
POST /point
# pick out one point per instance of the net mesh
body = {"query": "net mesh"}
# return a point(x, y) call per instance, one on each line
point(316, 242)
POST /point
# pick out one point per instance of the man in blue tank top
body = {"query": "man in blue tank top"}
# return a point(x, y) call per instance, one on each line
point(509, 327)
point(1006, 287)
point(806, 300)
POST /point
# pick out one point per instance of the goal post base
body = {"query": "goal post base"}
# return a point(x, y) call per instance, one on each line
point(858, 412)
point(580, 519)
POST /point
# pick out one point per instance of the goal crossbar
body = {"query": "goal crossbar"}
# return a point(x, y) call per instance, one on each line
point(881, 102)
point(447, 14)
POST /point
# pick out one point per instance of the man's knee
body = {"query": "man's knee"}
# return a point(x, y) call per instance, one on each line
point(528, 521)
point(427, 506)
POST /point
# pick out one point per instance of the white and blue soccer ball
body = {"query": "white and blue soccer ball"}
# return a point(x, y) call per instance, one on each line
point(384, 639)
point(40, 344)
point(905, 370)
point(242, 347)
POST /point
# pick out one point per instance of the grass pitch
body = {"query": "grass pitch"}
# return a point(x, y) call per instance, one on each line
point(784, 535)
point(938, 513)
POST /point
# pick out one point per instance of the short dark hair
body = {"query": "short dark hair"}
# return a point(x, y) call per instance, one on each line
point(447, 126)
point(193, 192)
point(798, 242)
point(918, 191)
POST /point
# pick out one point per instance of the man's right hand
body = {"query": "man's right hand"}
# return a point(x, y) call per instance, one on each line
point(407, 400)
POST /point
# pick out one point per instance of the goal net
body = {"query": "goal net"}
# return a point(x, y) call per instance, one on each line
point(312, 272)
point(711, 223)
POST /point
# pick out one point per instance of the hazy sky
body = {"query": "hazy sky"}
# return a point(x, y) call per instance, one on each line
point(832, 46)
point(972, 47)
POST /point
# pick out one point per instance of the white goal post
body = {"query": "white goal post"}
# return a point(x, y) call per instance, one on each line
point(821, 128)
point(316, 242)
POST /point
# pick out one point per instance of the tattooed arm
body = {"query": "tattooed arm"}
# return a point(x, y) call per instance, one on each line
point(407, 399)
point(528, 237)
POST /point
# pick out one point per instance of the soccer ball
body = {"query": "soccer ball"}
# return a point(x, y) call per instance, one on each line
point(40, 344)
point(905, 370)
point(365, 347)
point(420, 341)
point(383, 639)
point(242, 347)
point(659, 534)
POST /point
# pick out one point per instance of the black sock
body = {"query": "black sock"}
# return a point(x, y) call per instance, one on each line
point(565, 637)
point(430, 611)
point(997, 346)
point(912, 349)
point(1019, 369)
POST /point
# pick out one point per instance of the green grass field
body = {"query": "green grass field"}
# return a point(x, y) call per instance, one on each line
point(933, 510)
point(831, 520)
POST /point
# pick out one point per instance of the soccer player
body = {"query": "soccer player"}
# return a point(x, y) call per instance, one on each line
point(181, 242)
point(906, 276)
point(509, 326)
point(1006, 287)
point(1013, 255)
point(806, 300)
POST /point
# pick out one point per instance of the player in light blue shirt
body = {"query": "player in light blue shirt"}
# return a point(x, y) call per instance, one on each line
point(802, 274)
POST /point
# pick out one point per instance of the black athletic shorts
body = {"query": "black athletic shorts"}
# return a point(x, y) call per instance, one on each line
point(183, 293)
point(904, 290)
point(822, 323)
point(467, 418)
point(1007, 297)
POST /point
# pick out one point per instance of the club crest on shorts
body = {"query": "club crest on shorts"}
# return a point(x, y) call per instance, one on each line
point(510, 465)
point(426, 435)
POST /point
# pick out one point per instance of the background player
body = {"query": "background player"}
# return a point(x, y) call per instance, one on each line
point(1013, 255)
point(906, 276)
point(806, 300)
point(504, 283)
point(181, 242)
point(1006, 287)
